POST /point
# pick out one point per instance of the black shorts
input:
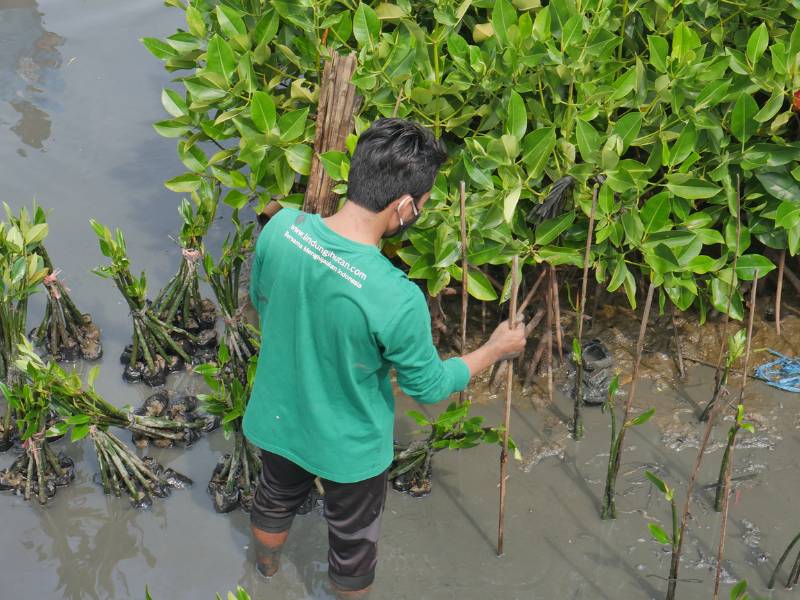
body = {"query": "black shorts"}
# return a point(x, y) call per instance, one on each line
point(353, 512)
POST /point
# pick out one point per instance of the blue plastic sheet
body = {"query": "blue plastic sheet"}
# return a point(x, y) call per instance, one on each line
point(782, 373)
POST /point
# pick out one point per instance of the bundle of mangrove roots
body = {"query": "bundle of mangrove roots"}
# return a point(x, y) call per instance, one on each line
point(235, 476)
point(38, 471)
point(241, 338)
point(122, 472)
point(182, 409)
point(411, 469)
point(157, 347)
point(179, 304)
point(65, 332)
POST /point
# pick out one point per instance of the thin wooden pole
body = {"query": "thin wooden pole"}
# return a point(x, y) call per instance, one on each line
point(556, 313)
point(512, 313)
point(778, 291)
point(464, 276)
point(678, 350)
point(549, 343)
point(726, 484)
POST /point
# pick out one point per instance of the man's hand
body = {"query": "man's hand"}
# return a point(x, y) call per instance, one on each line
point(504, 343)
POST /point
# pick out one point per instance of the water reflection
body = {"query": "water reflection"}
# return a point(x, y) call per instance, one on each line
point(29, 62)
point(85, 546)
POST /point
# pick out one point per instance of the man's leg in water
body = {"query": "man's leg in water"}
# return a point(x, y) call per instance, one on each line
point(353, 512)
point(282, 488)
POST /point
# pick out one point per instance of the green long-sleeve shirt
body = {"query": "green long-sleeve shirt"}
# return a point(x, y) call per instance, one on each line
point(335, 317)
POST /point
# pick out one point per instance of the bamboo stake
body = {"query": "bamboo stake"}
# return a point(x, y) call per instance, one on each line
point(577, 420)
point(507, 418)
point(464, 276)
point(732, 445)
point(778, 291)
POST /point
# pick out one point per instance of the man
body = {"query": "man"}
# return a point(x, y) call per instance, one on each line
point(336, 316)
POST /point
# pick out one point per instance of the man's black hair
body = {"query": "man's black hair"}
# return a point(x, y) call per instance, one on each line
point(392, 158)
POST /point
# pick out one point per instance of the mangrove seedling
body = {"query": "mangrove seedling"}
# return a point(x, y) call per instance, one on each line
point(234, 479)
point(81, 406)
point(157, 347)
point(241, 338)
point(794, 574)
point(411, 469)
point(240, 594)
point(179, 303)
point(735, 351)
point(609, 510)
point(21, 271)
point(65, 332)
point(738, 424)
point(656, 531)
point(38, 471)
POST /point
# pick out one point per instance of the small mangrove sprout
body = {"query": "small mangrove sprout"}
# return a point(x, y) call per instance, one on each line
point(157, 347)
point(609, 510)
point(412, 466)
point(656, 531)
point(235, 477)
point(179, 303)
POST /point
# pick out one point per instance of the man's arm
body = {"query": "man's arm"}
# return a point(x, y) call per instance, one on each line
point(421, 373)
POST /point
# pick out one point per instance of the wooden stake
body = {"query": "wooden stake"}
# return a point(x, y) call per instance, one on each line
point(464, 276)
point(778, 291)
point(556, 313)
point(512, 313)
point(549, 343)
point(577, 420)
point(335, 112)
point(726, 484)
point(678, 350)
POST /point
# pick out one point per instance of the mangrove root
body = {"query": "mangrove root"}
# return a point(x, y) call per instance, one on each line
point(411, 470)
point(181, 411)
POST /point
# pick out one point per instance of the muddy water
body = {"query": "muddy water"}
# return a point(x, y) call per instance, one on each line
point(77, 96)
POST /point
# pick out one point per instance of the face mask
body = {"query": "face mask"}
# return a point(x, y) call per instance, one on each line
point(403, 225)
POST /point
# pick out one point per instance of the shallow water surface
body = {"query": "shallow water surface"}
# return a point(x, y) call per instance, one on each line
point(78, 94)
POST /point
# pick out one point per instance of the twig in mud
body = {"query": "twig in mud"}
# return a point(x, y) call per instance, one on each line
point(464, 274)
point(722, 501)
point(615, 457)
point(548, 349)
point(512, 313)
point(577, 344)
